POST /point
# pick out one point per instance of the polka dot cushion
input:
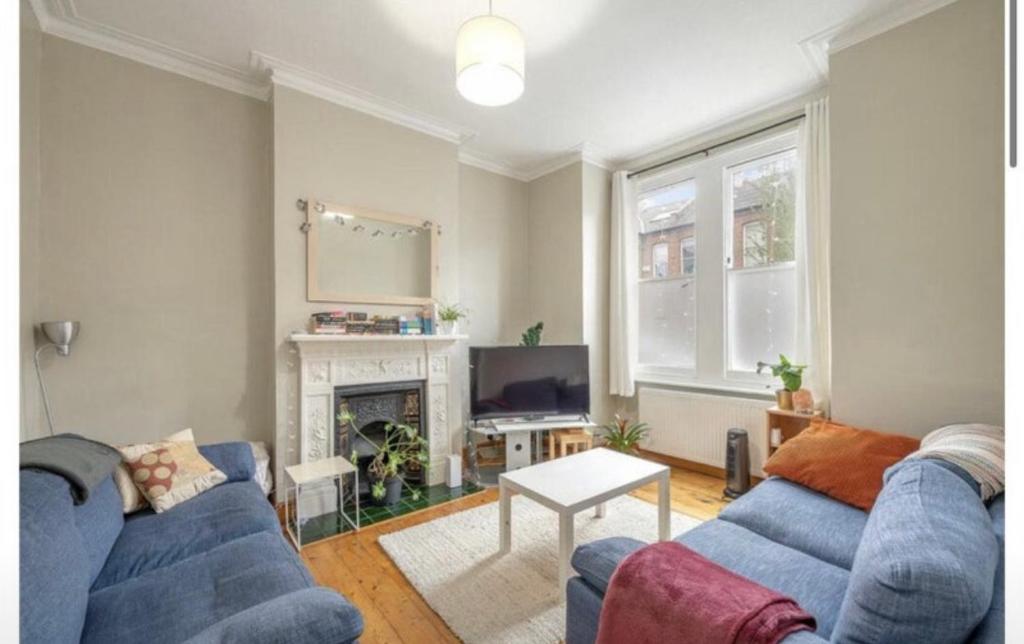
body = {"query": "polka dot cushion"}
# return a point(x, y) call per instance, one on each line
point(170, 472)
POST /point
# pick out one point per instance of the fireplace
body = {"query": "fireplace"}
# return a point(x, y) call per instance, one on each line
point(372, 408)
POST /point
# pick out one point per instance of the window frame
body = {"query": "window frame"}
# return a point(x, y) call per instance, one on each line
point(711, 175)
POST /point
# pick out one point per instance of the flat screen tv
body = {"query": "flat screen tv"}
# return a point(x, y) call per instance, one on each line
point(530, 382)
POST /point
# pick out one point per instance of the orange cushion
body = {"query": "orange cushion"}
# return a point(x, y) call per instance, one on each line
point(843, 462)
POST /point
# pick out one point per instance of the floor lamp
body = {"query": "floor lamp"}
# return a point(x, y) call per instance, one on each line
point(61, 335)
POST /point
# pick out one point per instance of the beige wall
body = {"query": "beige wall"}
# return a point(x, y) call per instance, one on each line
point(31, 55)
point(154, 233)
point(325, 151)
point(493, 267)
point(555, 253)
point(917, 222)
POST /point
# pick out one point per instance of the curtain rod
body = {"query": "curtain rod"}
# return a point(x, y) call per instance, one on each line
point(708, 149)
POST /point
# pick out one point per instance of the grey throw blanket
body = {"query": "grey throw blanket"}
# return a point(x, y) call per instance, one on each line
point(84, 463)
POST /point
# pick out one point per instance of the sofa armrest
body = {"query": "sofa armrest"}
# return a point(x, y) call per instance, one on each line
point(234, 459)
point(597, 560)
point(308, 616)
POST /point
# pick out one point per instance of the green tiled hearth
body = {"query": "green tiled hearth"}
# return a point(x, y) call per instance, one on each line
point(329, 525)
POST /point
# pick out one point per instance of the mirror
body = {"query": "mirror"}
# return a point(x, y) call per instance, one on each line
point(356, 255)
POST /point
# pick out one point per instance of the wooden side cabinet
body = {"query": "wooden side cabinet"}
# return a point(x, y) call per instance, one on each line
point(789, 423)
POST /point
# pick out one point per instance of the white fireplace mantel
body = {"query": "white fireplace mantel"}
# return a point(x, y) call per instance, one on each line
point(329, 361)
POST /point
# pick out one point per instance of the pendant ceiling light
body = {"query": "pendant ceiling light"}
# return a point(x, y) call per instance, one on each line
point(489, 60)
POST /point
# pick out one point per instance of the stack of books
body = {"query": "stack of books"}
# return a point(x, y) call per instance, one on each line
point(328, 322)
point(357, 323)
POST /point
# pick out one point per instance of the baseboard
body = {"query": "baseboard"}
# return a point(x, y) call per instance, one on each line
point(692, 466)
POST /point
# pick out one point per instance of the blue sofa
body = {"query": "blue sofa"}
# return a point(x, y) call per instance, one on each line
point(925, 566)
point(215, 568)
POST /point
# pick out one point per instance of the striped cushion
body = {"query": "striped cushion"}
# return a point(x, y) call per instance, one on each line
point(975, 448)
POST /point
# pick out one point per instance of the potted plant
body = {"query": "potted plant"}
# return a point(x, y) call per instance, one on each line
point(624, 436)
point(532, 336)
point(792, 377)
point(449, 315)
point(402, 448)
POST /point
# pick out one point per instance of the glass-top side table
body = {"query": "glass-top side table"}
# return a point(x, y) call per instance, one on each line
point(329, 469)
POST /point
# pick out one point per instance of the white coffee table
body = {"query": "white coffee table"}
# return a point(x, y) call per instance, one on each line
point(575, 483)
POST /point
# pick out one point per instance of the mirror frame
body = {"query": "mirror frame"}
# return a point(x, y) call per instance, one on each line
point(312, 227)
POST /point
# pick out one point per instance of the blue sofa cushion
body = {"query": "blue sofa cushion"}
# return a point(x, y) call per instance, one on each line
point(816, 585)
point(235, 459)
point(992, 628)
point(310, 615)
point(176, 602)
point(99, 521)
point(925, 568)
point(597, 560)
point(215, 517)
point(54, 566)
point(800, 518)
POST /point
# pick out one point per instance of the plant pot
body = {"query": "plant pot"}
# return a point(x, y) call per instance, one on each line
point(784, 399)
point(449, 327)
point(392, 491)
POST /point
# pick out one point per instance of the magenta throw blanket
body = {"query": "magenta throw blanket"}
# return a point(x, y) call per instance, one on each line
point(666, 592)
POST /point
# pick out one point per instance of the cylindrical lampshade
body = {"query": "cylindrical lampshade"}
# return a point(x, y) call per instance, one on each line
point(490, 61)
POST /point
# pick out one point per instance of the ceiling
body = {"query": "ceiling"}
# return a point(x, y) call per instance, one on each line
point(620, 78)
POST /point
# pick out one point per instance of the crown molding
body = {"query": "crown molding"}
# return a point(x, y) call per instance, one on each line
point(817, 47)
point(286, 74)
point(579, 153)
point(490, 164)
point(60, 18)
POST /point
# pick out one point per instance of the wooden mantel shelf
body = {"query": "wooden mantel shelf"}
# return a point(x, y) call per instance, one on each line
point(369, 337)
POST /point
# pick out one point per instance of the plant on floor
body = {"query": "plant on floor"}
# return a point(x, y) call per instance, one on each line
point(624, 436)
point(532, 336)
point(402, 448)
point(792, 376)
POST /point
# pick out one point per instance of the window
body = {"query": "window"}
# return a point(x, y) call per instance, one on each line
point(755, 244)
point(735, 209)
point(659, 253)
point(761, 282)
point(688, 251)
point(667, 212)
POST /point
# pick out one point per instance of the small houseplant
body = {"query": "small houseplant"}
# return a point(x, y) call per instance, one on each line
point(449, 315)
point(532, 336)
point(623, 435)
point(792, 376)
point(402, 448)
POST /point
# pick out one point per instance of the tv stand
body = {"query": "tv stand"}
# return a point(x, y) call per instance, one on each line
point(518, 432)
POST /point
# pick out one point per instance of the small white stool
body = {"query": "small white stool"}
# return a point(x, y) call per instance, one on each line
point(327, 469)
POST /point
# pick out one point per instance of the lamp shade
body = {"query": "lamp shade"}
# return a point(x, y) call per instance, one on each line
point(490, 61)
point(62, 334)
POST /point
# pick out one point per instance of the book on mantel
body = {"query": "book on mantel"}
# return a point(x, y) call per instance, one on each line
point(358, 323)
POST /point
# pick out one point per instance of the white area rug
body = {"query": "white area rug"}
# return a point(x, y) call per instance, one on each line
point(453, 562)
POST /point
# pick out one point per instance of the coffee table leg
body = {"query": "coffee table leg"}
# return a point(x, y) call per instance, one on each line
point(566, 540)
point(664, 508)
point(600, 511)
point(504, 518)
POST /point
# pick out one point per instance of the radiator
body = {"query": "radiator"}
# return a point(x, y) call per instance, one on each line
point(693, 426)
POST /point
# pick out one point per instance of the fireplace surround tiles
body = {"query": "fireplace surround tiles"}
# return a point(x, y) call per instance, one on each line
point(330, 367)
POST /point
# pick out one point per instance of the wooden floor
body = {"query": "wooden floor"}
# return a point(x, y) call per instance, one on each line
point(356, 566)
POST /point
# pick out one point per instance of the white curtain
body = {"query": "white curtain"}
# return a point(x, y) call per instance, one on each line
point(813, 324)
point(622, 297)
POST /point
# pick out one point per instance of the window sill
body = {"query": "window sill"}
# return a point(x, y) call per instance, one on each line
point(752, 391)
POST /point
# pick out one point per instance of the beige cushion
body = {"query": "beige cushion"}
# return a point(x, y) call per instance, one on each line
point(132, 499)
point(170, 472)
